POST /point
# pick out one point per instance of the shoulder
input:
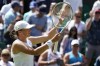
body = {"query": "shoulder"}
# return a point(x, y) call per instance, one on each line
point(11, 63)
point(65, 37)
point(82, 55)
point(17, 43)
point(98, 58)
point(67, 55)
point(82, 22)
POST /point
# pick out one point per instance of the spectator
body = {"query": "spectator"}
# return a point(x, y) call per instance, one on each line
point(66, 42)
point(80, 25)
point(11, 15)
point(1, 28)
point(40, 21)
point(96, 5)
point(50, 16)
point(74, 57)
point(10, 18)
point(5, 8)
point(5, 56)
point(50, 58)
point(93, 33)
point(8, 34)
point(33, 7)
point(75, 6)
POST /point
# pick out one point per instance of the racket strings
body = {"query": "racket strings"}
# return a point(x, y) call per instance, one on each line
point(64, 13)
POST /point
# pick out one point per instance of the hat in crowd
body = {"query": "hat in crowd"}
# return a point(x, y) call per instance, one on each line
point(74, 42)
point(42, 8)
point(15, 4)
point(98, 10)
point(5, 51)
point(22, 25)
point(33, 4)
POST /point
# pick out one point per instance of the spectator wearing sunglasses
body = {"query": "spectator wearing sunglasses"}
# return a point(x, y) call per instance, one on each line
point(93, 36)
point(74, 57)
point(5, 57)
point(65, 46)
point(81, 30)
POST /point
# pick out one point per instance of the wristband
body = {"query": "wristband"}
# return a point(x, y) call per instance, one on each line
point(49, 43)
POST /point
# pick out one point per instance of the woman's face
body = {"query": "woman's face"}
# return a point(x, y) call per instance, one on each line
point(74, 31)
point(25, 32)
point(75, 47)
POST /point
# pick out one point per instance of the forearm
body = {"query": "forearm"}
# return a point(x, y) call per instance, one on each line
point(43, 38)
point(38, 39)
point(88, 23)
point(45, 46)
point(52, 32)
point(77, 64)
point(68, 65)
point(41, 49)
point(61, 51)
point(46, 62)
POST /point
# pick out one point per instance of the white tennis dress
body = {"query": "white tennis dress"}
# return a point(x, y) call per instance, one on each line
point(22, 59)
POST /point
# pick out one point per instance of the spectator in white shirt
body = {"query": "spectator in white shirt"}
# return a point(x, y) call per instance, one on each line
point(76, 4)
point(5, 56)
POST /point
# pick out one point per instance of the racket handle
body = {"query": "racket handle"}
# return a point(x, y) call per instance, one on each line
point(55, 47)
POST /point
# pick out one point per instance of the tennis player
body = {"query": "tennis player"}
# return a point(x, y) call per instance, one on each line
point(22, 51)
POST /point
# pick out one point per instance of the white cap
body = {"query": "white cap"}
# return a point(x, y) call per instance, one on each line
point(22, 25)
point(75, 42)
point(5, 51)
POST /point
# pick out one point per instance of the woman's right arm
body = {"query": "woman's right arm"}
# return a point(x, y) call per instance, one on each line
point(43, 38)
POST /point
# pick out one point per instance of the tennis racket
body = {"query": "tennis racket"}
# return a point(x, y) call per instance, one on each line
point(62, 15)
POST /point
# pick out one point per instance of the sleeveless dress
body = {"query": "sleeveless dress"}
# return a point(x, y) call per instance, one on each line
point(22, 59)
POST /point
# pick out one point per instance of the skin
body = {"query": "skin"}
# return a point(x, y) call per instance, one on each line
point(18, 47)
point(74, 51)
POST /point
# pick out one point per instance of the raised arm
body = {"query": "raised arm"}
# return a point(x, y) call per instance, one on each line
point(88, 23)
point(43, 38)
point(21, 47)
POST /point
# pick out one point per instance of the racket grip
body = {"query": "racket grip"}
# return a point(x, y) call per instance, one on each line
point(49, 43)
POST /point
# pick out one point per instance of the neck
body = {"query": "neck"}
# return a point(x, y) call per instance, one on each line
point(77, 22)
point(22, 39)
point(5, 61)
point(75, 53)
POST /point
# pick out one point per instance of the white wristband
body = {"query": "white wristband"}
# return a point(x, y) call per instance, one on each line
point(49, 43)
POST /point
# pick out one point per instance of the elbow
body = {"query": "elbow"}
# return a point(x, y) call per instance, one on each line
point(39, 63)
point(36, 53)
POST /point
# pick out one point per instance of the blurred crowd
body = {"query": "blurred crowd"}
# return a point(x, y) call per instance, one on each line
point(79, 43)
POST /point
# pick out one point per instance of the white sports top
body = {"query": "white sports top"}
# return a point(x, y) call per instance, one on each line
point(22, 59)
